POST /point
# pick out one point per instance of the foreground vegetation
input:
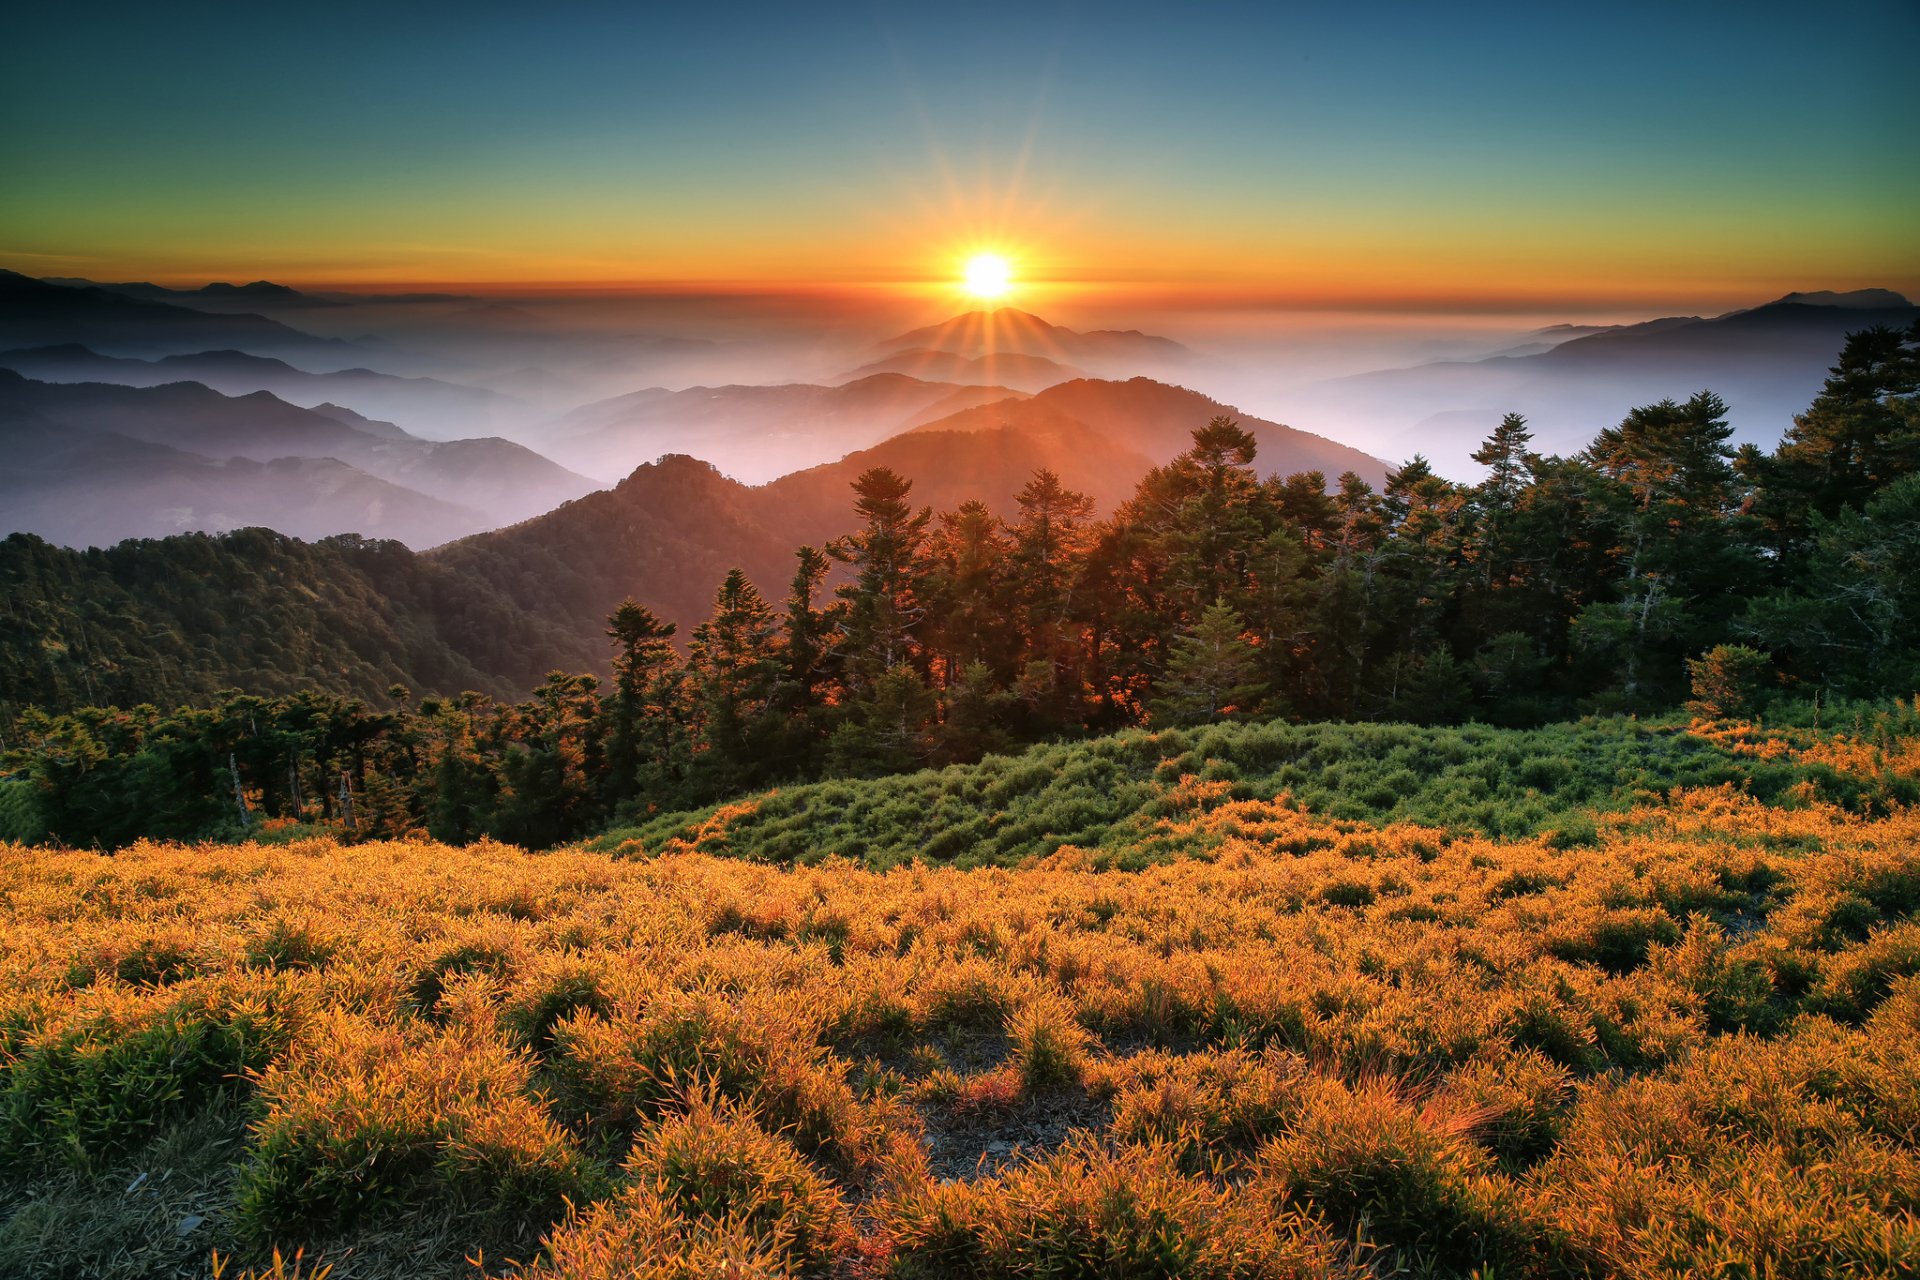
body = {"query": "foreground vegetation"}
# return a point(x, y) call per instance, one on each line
point(1687, 1042)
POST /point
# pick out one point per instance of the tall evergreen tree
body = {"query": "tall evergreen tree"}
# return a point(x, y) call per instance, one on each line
point(733, 674)
point(883, 606)
point(1212, 672)
point(1861, 433)
point(1051, 540)
point(806, 652)
point(1679, 546)
point(643, 728)
point(968, 596)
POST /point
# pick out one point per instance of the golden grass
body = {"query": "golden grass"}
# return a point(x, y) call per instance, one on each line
point(1323, 1048)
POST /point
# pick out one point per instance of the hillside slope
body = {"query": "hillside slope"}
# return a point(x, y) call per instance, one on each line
point(1156, 421)
point(176, 620)
point(1112, 796)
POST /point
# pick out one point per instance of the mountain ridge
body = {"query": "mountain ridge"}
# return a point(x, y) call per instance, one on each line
point(34, 313)
point(438, 489)
point(441, 408)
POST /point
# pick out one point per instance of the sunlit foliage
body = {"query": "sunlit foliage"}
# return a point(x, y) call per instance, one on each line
point(1686, 1043)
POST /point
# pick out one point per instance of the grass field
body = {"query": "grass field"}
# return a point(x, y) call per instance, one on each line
point(1662, 1020)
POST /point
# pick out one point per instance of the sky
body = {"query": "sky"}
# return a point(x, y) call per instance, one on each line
point(1341, 156)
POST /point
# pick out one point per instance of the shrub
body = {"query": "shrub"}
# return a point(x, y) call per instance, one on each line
point(1367, 1160)
point(1049, 1046)
point(89, 1092)
point(721, 1167)
point(1728, 681)
point(1092, 1211)
point(363, 1118)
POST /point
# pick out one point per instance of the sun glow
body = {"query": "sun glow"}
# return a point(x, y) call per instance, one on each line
point(987, 275)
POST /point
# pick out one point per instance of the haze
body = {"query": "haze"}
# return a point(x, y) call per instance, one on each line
point(1357, 223)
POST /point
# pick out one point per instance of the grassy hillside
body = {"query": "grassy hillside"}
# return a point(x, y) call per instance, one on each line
point(1108, 794)
point(1686, 1043)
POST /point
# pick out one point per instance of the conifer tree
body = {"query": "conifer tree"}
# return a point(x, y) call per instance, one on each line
point(1212, 673)
point(807, 635)
point(643, 733)
point(967, 594)
point(1051, 540)
point(1861, 433)
point(548, 791)
point(733, 674)
point(883, 606)
point(1680, 545)
point(1496, 498)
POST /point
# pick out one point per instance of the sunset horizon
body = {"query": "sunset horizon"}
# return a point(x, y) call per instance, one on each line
point(1259, 153)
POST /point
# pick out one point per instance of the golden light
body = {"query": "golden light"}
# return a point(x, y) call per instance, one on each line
point(988, 275)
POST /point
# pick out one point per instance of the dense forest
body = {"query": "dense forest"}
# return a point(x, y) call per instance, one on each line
point(1657, 563)
point(178, 620)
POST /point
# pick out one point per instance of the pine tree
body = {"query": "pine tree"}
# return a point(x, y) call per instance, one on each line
point(643, 733)
point(1680, 544)
point(1051, 540)
point(1495, 500)
point(1417, 568)
point(969, 599)
point(883, 609)
point(733, 674)
point(1861, 433)
point(548, 791)
point(1212, 673)
point(807, 635)
point(1851, 624)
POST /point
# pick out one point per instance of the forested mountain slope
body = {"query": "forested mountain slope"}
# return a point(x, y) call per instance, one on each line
point(177, 619)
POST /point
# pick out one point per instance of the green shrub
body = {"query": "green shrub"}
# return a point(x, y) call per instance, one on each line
point(91, 1093)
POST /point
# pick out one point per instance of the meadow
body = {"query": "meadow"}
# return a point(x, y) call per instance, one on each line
point(1589, 1017)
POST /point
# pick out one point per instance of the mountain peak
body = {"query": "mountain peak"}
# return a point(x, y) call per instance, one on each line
point(229, 358)
point(1851, 299)
point(256, 289)
point(1009, 330)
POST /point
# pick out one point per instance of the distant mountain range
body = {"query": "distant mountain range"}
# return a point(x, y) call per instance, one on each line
point(36, 314)
point(1008, 331)
point(219, 294)
point(133, 436)
point(91, 463)
point(754, 433)
point(262, 295)
point(1014, 369)
point(1767, 362)
point(444, 410)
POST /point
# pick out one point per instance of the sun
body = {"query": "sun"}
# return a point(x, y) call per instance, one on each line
point(988, 275)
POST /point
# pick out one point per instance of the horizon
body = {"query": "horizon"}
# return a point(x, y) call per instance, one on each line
point(1506, 159)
